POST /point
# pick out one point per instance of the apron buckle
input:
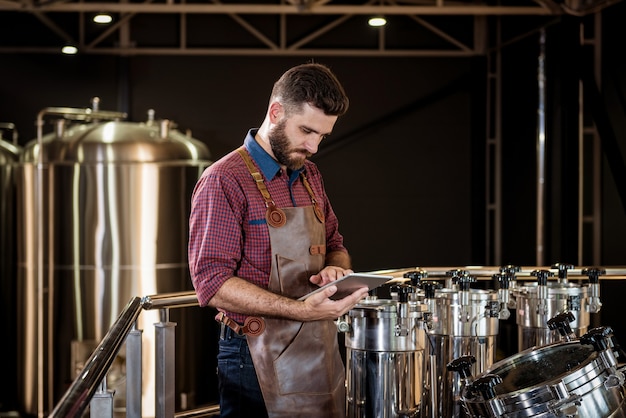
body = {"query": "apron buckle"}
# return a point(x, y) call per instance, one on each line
point(252, 326)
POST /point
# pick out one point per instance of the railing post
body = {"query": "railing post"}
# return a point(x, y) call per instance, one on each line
point(101, 405)
point(165, 368)
point(134, 359)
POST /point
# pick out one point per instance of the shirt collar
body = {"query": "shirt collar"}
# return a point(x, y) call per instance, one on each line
point(266, 163)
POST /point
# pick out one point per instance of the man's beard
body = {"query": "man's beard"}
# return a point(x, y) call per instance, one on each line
point(282, 149)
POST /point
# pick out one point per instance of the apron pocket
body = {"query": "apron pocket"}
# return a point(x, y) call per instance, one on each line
point(293, 277)
point(304, 366)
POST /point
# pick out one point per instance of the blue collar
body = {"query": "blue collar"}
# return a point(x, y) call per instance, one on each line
point(266, 163)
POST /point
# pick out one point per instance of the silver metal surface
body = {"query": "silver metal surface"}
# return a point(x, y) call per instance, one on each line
point(462, 324)
point(487, 272)
point(478, 317)
point(9, 155)
point(533, 312)
point(557, 380)
point(385, 359)
point(103, 213)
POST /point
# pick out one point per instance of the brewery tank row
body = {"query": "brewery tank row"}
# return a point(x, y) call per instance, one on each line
point(101, 206)
point(424, 345)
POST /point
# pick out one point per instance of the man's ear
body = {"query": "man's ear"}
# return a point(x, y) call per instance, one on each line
point(276, 112)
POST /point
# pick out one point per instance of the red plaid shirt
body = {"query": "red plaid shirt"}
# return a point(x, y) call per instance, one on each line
point(228, 234)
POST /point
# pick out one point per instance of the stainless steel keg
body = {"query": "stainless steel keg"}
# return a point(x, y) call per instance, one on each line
point(464, 322)
point(538, 302)
point(385, 342)
point(578, 378)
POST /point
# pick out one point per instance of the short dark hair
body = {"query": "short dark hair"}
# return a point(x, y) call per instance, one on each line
point(314, 84)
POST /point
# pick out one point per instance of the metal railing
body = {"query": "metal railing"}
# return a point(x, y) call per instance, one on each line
point(89, 388)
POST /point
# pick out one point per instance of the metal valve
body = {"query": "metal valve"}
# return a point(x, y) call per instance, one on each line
point(429, 298)
point(416, 276)
point(429, 288)
point(594, 304)
point(485, 385)
point(562, 271)
point(503, 295)
point(561, 323)
point(464, 282)
point(402, 292)
point(542, 290)
point(453, 277)
point(343, 326)
point(509, 270)
point(599, 338)
point(485, 388)
point(462, 365)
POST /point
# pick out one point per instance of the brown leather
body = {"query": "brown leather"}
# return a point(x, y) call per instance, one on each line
point(252, 326)
point(298, 364)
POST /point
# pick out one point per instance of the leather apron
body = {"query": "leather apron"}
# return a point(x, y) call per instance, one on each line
point(298, 364)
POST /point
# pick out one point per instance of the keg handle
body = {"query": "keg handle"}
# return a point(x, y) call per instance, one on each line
point(562, 268)
point(416, 277)
point(452, 278)
point(601, 338)
point(485, 387)
point(593, 273)
point(561, 323)
point(462, 365)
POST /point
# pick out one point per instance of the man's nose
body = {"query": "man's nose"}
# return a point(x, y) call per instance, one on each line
point(312, 145)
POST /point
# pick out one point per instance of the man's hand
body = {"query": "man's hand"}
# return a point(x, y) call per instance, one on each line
point(320, 306)
point(329, 274)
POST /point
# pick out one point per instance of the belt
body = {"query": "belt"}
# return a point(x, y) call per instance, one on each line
point(227, 333)
point(252, 325)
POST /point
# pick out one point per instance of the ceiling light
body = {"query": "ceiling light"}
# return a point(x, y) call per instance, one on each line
point(69, 50)
point(103, 18)
point(377, 21)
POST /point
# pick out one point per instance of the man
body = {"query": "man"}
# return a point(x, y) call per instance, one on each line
point(263, 234)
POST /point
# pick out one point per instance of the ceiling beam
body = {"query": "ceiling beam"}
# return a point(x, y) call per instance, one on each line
point(273, 9)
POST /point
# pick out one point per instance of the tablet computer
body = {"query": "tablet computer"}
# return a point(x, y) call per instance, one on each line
point(348, 284)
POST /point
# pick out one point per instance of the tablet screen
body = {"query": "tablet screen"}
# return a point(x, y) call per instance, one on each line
point(348, 284)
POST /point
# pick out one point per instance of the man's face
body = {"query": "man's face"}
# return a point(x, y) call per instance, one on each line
point(290, 156)
point(296, 138)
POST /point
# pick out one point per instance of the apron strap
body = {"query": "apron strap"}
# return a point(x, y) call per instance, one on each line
point(274, 215)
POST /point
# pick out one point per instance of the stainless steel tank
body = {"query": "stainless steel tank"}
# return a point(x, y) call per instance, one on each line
point(537, 303)
point(577, 378)
point(464, 322)
point(385, 342)
point(103, 209)
point(9, 155)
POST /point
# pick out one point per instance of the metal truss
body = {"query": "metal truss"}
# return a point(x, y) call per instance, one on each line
point(263, 27)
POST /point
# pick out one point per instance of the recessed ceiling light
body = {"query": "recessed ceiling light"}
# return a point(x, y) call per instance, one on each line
point(69, 50)
point(377, 21)
point(103, 18)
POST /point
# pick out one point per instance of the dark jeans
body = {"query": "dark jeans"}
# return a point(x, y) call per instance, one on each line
point(240, 394)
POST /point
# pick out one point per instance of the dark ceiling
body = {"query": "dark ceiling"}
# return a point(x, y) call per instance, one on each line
point(274, 28)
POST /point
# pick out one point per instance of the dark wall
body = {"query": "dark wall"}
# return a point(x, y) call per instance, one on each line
point(397, 167)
